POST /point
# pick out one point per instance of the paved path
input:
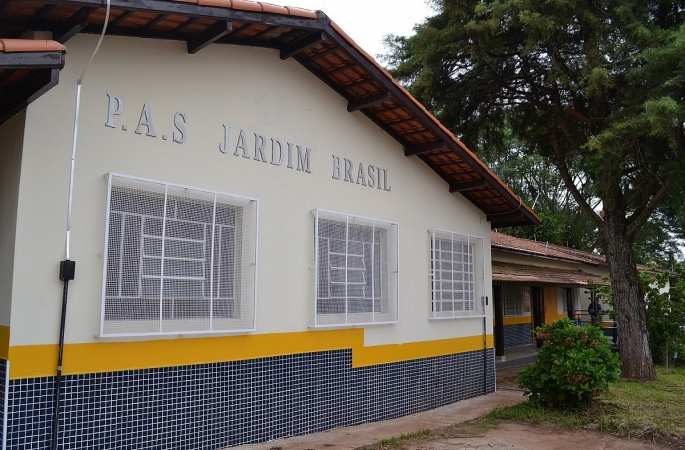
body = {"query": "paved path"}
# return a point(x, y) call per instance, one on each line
point(369, 433)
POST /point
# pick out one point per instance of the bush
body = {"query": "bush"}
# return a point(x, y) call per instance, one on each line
point(573, 366)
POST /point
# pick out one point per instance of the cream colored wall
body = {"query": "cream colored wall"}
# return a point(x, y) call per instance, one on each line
point(246, 88)
point(11, 141)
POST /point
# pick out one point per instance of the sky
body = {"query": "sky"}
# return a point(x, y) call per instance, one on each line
point(368, 21)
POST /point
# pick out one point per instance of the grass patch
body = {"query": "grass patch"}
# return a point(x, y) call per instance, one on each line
point(649, 410)
point(652, 410)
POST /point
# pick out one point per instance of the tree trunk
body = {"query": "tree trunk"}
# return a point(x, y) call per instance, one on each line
point(629, 302)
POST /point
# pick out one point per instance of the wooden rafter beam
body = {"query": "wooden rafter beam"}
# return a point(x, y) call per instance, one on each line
point(417, 149)
point(27, 92)
point(122, 17)
point(208, 36)
point(358, 83)
point(75, 25)
point(504, 217)
point(42, 13)
point(340, 69)
point(324, 53)
point(468, 186)
point(302, 44)
point(403, 121)
point(365, 102)
point(155, 21)
point(177, 31)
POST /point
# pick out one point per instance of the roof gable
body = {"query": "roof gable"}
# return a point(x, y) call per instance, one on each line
point(315, 42)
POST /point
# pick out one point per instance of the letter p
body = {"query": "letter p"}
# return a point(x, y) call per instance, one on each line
point(113, 110)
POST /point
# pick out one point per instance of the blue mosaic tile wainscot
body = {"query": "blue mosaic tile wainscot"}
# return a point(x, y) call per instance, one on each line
point(3, 379)
point(517, 335)
point(213, 406)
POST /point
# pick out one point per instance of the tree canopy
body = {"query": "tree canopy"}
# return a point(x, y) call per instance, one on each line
point(597, 88)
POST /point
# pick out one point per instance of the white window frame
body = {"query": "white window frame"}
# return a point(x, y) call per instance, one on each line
point(210, 330)
point(382, 317)
point(476, 247)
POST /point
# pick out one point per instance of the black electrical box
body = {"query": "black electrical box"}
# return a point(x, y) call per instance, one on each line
point(67, 268)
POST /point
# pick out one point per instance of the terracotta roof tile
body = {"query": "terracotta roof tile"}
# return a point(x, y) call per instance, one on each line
point(509, 243)
point(301, 12)
point(276, 9)
point(247, 5)
point(519, 273)
point(30, 45)
point(219, 3)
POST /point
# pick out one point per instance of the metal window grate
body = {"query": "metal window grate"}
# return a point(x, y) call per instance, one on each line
point(178, 259)
point(457, 275)
point(356, 270)
point(516, 301)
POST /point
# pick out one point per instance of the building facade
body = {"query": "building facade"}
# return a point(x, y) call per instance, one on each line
point(259, 251)
point(536, 283)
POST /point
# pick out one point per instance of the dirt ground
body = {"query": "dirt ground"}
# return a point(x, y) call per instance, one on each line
point(518, 436)
point(508, 377)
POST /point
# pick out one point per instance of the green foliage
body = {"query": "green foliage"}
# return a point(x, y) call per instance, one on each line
point(533, 178)
point(665, 311)
point(665, 314)
point(653, 410)
point(574, 365)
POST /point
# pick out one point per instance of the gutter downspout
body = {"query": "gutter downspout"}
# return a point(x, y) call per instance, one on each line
point(67, 267)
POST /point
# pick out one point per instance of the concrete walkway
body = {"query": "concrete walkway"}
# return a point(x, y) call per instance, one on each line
point(370, 433)
point(517, 356)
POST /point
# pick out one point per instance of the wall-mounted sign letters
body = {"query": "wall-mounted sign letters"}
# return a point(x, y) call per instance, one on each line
point(370, 175)
point(254, 146)
point(145, 123)
point(293, 154)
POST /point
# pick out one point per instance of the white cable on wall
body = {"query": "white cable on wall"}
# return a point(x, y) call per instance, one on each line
point(76, 117)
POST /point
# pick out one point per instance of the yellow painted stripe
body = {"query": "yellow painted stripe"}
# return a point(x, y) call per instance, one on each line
point(384, 354)
point(516, 320)
point(41, 360)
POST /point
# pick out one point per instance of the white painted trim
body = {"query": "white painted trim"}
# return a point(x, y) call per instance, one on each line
point(347, 323)
point(166, 185)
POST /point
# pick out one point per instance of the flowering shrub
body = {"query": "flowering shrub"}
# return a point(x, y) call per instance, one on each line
point(573, 366)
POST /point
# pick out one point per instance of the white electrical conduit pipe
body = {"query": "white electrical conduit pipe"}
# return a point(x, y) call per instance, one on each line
point(65, 264)
point(76, 117)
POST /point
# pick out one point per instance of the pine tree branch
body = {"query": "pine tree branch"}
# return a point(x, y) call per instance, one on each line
point(562, 167)
point(636, 222)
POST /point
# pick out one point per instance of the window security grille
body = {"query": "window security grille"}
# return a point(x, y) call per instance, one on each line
point(356, 270)
point(177, 260)
point(457, 275)
point(516, 301)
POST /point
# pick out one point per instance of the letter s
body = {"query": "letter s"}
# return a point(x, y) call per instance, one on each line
point(180, 127)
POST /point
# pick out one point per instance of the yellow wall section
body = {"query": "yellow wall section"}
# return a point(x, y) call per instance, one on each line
point(549, 294)
point(515, 320)
point(41, 360)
